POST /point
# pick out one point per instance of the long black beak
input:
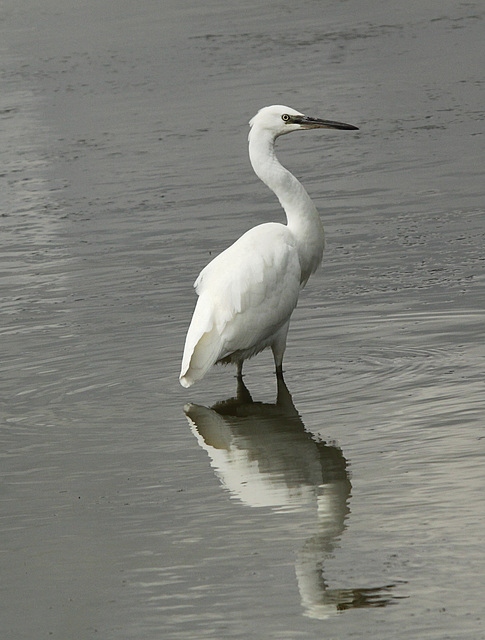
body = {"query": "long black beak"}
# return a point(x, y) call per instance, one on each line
point(316, 123)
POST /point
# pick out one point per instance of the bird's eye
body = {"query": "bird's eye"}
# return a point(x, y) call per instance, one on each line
point(285, 117)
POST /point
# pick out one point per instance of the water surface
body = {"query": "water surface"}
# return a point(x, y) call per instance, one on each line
point(351, 506)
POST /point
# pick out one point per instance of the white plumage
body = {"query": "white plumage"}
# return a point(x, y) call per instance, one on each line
point(248, 293)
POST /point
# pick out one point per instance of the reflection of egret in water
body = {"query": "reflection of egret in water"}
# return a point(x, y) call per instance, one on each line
point(265, 457)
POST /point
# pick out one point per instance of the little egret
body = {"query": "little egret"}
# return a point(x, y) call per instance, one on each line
point(248, 292)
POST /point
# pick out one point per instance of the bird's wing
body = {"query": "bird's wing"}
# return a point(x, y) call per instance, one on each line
point(246, 294)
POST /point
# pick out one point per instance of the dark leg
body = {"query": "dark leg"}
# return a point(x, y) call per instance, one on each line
point(278, 347)
point(243, 396)
point(284, 399)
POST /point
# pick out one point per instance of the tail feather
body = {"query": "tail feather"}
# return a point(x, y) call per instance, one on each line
point(202, 346)
point(203, 356)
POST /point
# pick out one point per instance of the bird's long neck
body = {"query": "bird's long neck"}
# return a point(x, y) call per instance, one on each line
point(302, 217)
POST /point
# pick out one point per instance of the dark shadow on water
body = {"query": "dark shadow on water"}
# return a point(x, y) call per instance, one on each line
point(263, 454)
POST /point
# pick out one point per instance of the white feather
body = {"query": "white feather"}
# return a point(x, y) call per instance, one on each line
point(246, 294)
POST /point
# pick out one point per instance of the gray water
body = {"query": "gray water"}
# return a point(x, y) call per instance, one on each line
point(352, 508)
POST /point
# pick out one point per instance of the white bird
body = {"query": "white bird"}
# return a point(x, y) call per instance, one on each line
point(248, 292)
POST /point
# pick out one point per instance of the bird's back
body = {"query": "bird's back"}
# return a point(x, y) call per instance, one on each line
point(246, 294)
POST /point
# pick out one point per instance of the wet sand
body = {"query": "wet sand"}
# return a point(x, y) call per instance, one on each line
point(351, 508)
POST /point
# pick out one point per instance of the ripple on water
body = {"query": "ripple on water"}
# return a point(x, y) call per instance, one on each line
point(379, 356)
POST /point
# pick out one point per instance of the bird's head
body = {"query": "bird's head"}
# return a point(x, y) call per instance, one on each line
point(278, 120)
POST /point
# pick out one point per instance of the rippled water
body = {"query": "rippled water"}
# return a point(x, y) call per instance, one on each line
point(350, 505)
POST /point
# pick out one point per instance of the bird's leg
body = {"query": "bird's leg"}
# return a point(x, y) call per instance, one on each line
point(278, 348)
point(243, 396)
point(284, 399)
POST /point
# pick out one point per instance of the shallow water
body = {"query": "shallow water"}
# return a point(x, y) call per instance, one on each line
point(352, 508)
